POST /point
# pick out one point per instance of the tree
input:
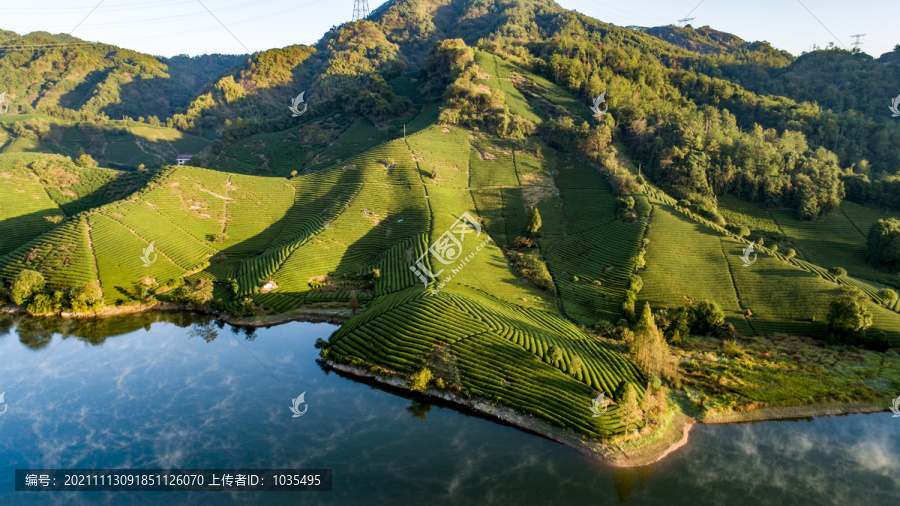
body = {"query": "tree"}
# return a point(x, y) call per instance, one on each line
point(87, 298)
point(554, 355)
point(741, 231)
point(85, 162)
point(197, 294)
point(418, 382)
point(26, 285)
point(650, 351)
point(888, 295)
point(576, 365)
point(654, 402)
point(705, 317)
point(848, 314)
point(353, 302)
point(534, 223)
point(884, 244)
point(838, 272)
point(628, 403)
point(790, 253)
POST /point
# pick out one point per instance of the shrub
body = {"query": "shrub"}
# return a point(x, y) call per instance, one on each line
point(790, 253)
point(44, 303)
point(218, 238)
point(534, 223)
point(888, 295)
point(523, 242)
point(418, 382)
point(848, 315)
point(626, 203)
point(838, 272)
point(196, 294)
point(635, 283)
point(554, 354)
point(705, 317)
point(604, 326)
point(26, 285)
point(732, 349)
point(530, 265)
point(674, 326)
point(87, 298)
point(576, 365)
point(85, 161)
point(739, 230)
point(884, 244)
point(247, 309)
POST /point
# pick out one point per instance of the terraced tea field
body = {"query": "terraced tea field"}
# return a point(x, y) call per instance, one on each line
point(499, 351)
point(24, 206)
point(833, 241)
point(686, 262)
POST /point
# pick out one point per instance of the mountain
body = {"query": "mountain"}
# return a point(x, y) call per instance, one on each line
point(510, 202)
point(69, 77)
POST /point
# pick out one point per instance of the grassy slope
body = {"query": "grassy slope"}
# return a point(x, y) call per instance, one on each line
point(24, 206)
point(684, 262)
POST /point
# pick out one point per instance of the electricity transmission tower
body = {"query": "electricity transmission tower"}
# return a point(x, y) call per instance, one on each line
point(360, 9)
point(858, 42)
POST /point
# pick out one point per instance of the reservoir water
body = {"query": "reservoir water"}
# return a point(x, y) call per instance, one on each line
point(182, 391)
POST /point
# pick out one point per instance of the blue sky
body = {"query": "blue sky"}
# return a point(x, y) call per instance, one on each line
point(169, 27)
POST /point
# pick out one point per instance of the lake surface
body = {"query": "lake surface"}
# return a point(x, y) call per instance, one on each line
point(180, 391)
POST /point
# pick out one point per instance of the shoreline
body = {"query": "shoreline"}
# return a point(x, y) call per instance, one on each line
point(668, 440)
point(336, 316)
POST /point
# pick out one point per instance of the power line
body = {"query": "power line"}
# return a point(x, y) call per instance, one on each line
point(88, 15)
point(593, 5)
point(166, 19)
point(821, 23)
point(55, 10)
point(11, 45)
point(692, 10)
point(225, 27)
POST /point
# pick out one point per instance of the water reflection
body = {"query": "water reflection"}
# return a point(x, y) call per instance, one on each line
point(182, 390)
